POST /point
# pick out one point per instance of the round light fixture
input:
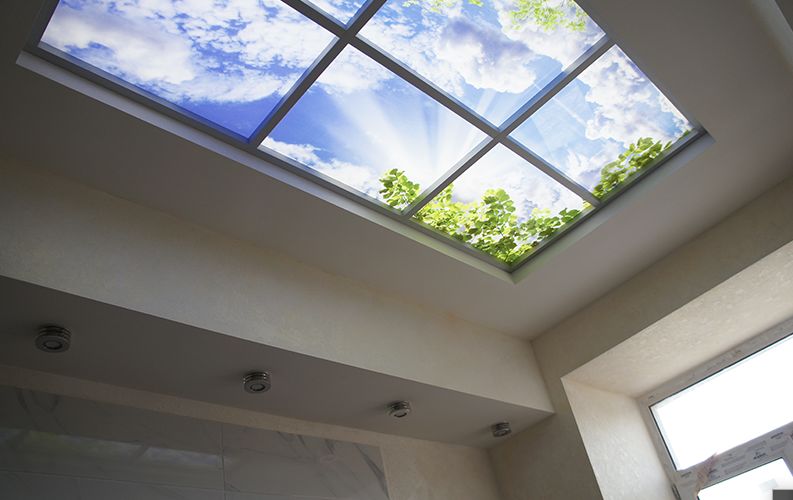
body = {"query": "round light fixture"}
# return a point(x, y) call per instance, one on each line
point(399, 409)
point(53, 338)
point(256, 382)
point(501, 429)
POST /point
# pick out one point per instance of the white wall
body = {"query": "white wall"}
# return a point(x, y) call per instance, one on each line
point(68, 237)
point(549, 460)
point(618, 444)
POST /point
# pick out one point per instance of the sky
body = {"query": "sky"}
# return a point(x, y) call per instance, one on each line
point(230, 62)
point(216, 59)
point(596, 117)
point(740, 403)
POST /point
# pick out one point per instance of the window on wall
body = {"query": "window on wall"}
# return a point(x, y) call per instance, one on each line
point(494, 125)
point(729, 435)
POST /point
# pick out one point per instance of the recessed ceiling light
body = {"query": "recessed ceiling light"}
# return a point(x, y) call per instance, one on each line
point(399, 409)
point(256, 382)
point(52, 338)
point(501, 429)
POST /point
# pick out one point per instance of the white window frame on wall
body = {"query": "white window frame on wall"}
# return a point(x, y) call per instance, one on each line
point(774, 445)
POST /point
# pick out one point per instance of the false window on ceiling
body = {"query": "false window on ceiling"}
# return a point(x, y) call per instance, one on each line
point(492, 125)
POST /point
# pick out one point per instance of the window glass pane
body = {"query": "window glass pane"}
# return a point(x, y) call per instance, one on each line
point(502, 205)
point(360, 121)
point(593, 120)
point(757, 484)
point(218, 60)
point(343, 10)
point(493, 55)
point(737, 404)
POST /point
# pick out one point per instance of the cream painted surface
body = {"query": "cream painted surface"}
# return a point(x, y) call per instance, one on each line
point(752, 301)
point(618, 445)
point(549, 460)
point(71, 238)
point(415, 469)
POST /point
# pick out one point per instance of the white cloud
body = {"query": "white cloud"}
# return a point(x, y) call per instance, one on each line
point(192, 49)
point(340, 9)
point(360, 177)
point(353, 71)
point(484, 58)
point(460, 46)
point(561, 44)
point(585, 169)
point(626, 105)
point(529, 187)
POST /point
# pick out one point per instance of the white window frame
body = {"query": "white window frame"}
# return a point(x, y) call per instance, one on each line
point(776, 444)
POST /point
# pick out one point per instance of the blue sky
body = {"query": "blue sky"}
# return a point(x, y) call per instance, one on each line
point(219, 60)
point(592, 120)
point(476, 53)
point(230, 62)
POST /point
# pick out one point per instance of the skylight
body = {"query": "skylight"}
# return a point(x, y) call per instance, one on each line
point(493, 125)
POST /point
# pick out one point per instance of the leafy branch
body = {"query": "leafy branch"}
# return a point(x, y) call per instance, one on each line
point(632, 161)
point(491, 225)
point(547, 14)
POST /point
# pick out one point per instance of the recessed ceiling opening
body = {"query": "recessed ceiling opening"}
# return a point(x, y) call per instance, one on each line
point(495, 125)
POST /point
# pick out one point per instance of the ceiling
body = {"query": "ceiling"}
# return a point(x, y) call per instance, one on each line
point(125, 348)
point(722, 66)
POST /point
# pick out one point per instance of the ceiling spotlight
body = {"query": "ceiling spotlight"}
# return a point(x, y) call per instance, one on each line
point(399, 409)
point(501, 429)
point(256, 382)
point(52, 338)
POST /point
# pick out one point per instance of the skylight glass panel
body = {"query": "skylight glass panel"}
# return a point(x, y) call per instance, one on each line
point(503, 206)
point(355, 108)
point(731, 407)
point(359, 121)
point(757, 484)
point(597, 117)
point(492, 55)
point(227, 62)
point(343, 10)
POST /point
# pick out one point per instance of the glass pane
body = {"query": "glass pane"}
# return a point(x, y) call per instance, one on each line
point(737, 404)
point(360, 121)
point(502, 205)
point(218, 60)
point(343, 10)
point(757, 484)
point(593, 120)
point(493, 56)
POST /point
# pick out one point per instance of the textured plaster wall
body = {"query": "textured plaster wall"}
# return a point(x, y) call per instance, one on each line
point(606, 394)
point(618, 444)
point(757, 299)
point(549, 460)
point(415, 469)
point(68, 237)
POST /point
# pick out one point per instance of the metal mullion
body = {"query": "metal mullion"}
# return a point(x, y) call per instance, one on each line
point(297, 91)
point(423, 85)
point(541, 98)
point(344, 36)
point(317, 16)
point(374, 204)
point(501, 134)
point(42, 21)
point(467, 162)
point(556, 85)
point(550, 170)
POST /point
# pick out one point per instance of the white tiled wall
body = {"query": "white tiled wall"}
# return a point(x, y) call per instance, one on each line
point(55, 447)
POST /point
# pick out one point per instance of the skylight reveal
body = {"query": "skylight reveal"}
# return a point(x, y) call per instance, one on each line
point(496, 124)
